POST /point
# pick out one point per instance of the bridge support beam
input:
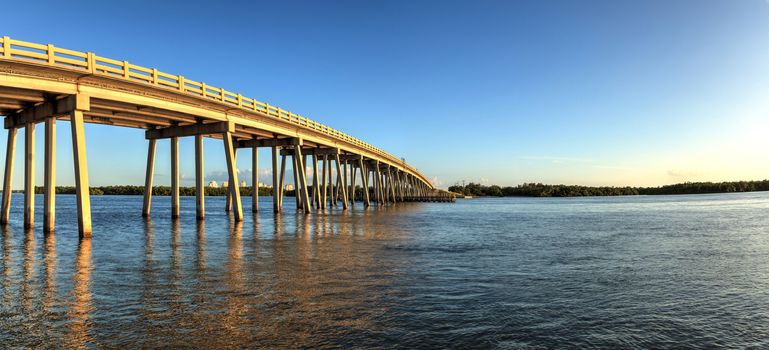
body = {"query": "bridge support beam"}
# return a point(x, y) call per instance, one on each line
point(200, 187)
point(148, 177)
point(82, 188)
point(175, 210)
point(232, 169)
point(29, 175)
point(10, 152)
point(49, 202)
point(255, 179)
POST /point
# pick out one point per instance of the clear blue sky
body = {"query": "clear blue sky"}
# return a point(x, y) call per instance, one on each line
point(582, 92)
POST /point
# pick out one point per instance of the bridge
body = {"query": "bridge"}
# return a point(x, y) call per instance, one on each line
point(43, 83)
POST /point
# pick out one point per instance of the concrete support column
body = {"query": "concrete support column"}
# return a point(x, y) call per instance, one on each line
point(10, 153)
point(364, 180)
point(254, 179)
point(228, 195)
point(232, 170)
point(200, 181)
point(315, 182)
point(82, 187)
point(148, 177)
point(29, 175)
point(331, 192)
point(353, 170)
point(275, 181)
point(175, 210)
point(325, 183)
point(49, 202)
point(343, 187)
point(302, 173)
point(295, 168)
point(282, 181)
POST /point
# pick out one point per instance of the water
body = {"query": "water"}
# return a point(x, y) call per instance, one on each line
point(630, 272)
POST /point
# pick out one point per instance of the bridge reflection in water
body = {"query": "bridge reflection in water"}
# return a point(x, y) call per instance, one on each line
point(287, 280)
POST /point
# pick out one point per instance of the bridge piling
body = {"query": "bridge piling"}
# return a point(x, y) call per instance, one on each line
point(29, 175)
point(49, 201)
point(343, 186)
point(232, 169)
point(364, 182)
point(254, 179)
point(295, 168)
point(149, 177)
point(301, 191)
point(324, 191)
point(200, 189)
point(175, 210)
point(82, 188)
point(275, 181)
point(282, 181)
point(10, 154)
point(315, 182)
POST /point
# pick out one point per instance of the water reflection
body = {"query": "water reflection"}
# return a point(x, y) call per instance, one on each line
point(29, 285)
point(49, 261)
point(287, 280)
point(8, 273)
point(80, 321)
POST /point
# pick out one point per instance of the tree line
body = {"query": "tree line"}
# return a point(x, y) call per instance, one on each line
point(543, 190)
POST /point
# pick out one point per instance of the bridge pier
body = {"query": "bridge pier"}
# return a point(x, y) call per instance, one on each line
point(281, 182)
point(175, 210)
point(275, 181)
point(343, 186)
point(200, 186)
point(49, 202)
point(302, 173)
point(255, 179)
point(148, 177)
point(229, 151)
point(29, 175)
point(82, 188)
point(315, 182)
point(10, 153)
point(324, 190)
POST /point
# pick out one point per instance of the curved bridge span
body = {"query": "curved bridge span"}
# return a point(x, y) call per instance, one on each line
point(43, 83)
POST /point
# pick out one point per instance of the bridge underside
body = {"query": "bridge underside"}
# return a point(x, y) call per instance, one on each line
point(32, 93)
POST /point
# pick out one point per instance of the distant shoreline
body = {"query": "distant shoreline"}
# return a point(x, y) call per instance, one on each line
point(544, 190)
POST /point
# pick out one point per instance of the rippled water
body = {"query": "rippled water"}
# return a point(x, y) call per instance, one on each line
point(662, 272)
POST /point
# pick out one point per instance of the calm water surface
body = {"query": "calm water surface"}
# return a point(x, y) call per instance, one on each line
point(630, 272)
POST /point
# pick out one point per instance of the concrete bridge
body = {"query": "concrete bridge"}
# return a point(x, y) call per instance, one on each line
point(43, 83)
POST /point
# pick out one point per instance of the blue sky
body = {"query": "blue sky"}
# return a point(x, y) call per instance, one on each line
point(580, 92)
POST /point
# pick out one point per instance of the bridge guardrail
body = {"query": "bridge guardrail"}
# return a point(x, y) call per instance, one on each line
point(89, 62)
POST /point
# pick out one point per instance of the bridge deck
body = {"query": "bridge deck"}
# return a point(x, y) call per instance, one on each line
point(43, 83)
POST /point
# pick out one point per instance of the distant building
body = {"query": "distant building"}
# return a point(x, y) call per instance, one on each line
point(289, 187)
point(225, 183)
point(213, 184)
point(242, 184)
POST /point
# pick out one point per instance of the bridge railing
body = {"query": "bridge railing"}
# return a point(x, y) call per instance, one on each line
point(89, 62)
